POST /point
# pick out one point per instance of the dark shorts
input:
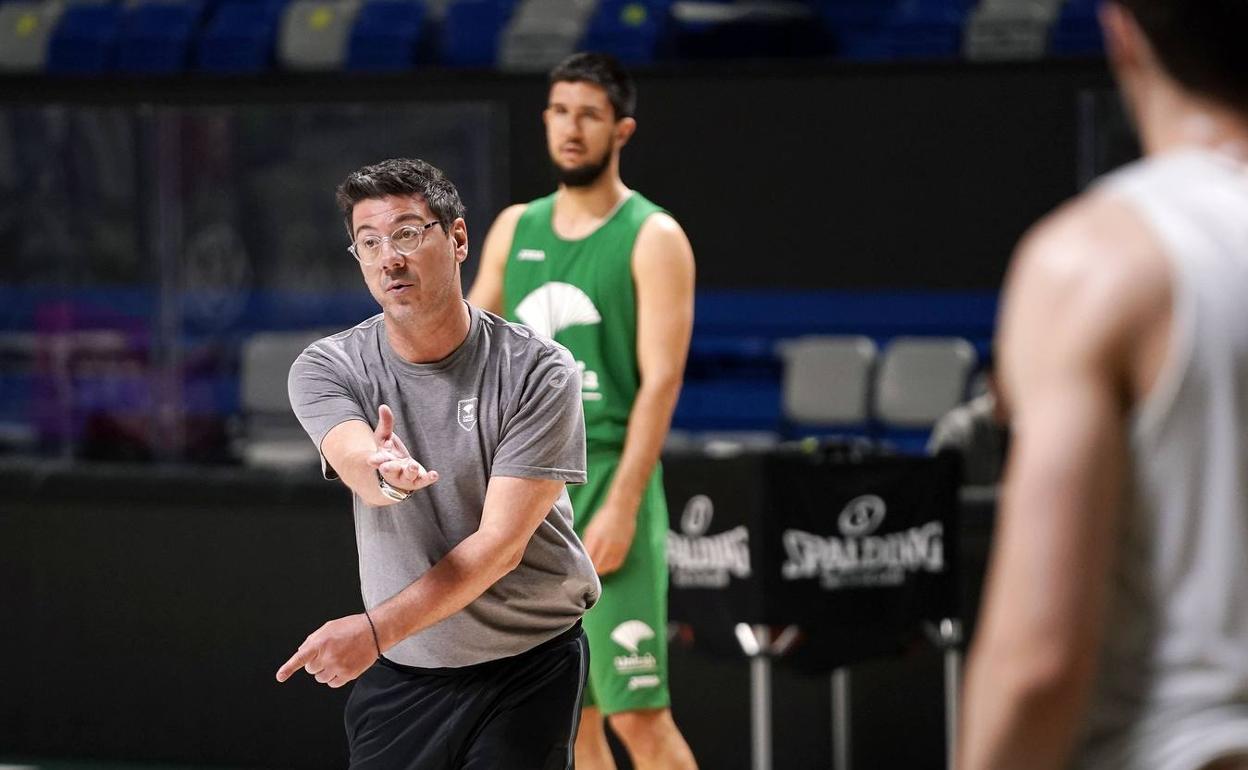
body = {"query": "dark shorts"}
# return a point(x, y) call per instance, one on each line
point(518, 713)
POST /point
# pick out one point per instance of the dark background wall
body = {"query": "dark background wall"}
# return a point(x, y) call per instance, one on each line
point(145, 610)
point(810, 176)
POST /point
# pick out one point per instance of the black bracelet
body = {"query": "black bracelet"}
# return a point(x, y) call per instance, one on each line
point(370, 625)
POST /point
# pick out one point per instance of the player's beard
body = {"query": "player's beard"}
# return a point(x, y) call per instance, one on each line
point(586, 174)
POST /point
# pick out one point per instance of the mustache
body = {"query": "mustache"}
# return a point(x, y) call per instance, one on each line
point(395, 278)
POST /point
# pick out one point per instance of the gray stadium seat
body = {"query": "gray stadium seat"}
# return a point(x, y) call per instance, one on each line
point(25, 26)
point(1010, 29)
point(271, 436)
point(314, 34)
point(827, 379)
point(921, 378)
point(542, 33)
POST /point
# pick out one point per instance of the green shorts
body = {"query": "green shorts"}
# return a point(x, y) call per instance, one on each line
point(627, 628)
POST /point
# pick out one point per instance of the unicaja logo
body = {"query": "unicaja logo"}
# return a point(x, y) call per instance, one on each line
point(697, 516)
point(862, 516)
point(467, 413)
point(630, 634)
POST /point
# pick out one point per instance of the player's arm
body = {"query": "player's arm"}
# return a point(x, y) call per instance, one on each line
point(1075, 304)
point(326, 404)
point(358, 453)
point(663, 273)
point(487, 288)
point(342, 649)
point(514, 507)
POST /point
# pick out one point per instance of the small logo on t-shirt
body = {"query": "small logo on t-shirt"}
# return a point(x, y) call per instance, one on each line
point(531, 255)
point(468, 413)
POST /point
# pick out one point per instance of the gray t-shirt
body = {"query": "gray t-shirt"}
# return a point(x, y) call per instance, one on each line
point(505, 403)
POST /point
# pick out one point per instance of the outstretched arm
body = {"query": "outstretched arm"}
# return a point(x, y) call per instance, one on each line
point(358, 453)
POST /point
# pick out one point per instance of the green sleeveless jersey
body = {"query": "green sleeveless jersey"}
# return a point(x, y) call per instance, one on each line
point(580, 293)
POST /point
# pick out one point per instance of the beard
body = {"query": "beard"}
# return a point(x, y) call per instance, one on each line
point(584, 175)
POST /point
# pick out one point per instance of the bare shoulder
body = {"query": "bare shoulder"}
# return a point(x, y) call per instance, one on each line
point(1095, 267)
point(498, 239)
point(661, 240)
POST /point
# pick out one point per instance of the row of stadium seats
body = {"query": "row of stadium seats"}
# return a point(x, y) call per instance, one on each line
point(79, 371)
point(839, 385)
point(252, 36)
point(831, 385)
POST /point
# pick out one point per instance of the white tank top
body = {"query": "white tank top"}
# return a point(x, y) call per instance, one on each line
point(1172, 692)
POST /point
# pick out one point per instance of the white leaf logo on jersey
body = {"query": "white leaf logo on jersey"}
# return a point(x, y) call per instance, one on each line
point(630, 634)
point(554, 306)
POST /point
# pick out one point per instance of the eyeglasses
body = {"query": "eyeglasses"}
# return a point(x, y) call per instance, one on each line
point(404, 241)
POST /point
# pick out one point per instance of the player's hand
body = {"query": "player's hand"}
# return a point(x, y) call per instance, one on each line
point(335, 653)
point(393, 461)
point(609, 536)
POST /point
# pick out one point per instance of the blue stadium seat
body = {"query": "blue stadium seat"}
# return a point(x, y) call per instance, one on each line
point(156, 36)
point(239, 37)
point(1077, 31)
point(926, 29)
point(85, 42)
point(856, 26)
point(471, 31)
point(630, 30)
point(728, 404)
point(386, 36)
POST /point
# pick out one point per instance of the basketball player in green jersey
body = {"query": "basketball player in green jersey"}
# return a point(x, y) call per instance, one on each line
point(609, 275)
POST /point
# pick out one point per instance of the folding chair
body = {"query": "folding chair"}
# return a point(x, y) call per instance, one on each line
point(314, 33)
point(827, 380)
point(271, 436)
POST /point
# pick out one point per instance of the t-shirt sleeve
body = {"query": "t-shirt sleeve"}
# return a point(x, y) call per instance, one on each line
point(544, 436)
point(321, 397)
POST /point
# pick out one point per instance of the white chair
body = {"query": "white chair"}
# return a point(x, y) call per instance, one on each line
point(827, 379)
point(271, 437)
point(25, 27)
point(542, 33)
point(921, 378)
point(1010, 29)
point(314, 34)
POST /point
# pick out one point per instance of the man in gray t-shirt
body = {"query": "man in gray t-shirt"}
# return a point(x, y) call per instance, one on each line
point(472, 577)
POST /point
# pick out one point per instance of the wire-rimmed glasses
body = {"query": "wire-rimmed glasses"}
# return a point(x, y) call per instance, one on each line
point(405, 240)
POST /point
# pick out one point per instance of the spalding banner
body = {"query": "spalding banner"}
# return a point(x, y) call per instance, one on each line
point(859, 553)
point(713, 579)
point(850, 550)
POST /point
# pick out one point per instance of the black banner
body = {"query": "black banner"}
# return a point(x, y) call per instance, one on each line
point(855, 551)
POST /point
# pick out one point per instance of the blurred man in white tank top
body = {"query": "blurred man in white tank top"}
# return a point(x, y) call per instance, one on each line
point(1115, 624)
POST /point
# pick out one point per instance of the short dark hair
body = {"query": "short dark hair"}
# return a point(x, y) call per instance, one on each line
point(402, 176)
point(602, 70)
point(1200, 43)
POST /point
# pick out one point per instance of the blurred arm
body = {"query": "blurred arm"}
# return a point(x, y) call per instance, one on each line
point(1078, 298)
point(663, 272)
point(487, 288)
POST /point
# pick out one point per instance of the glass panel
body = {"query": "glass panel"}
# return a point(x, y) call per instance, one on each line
point(144, 246)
